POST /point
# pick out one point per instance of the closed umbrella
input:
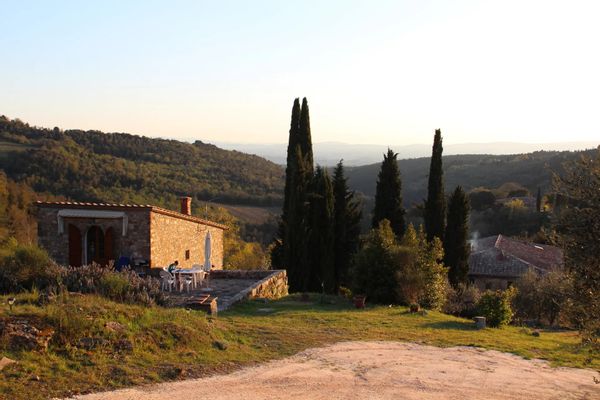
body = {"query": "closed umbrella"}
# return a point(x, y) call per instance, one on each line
point(207, 264)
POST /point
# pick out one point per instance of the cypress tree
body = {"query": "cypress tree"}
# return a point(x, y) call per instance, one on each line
point(538, 200)
point(280, 252)
point(346, 225)
point(295, 242)
point(305, 138)
point(320, 250)
point(435, 205)
point(388, 195)
point(456, 246)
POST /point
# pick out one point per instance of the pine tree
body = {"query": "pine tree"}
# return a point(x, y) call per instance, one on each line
point(388, 195)
point(347, 216)
point(435, 205)
point(320, 248)
point(456, 246)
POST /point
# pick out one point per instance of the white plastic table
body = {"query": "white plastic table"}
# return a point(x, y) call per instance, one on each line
point(194, 272)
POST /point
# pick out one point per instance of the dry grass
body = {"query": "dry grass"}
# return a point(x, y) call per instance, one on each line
point(173, 344)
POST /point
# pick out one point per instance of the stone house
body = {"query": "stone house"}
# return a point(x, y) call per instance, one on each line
point(76, 234)
point(496, 262)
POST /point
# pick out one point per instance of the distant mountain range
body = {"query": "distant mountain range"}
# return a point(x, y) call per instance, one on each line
point(329, 153)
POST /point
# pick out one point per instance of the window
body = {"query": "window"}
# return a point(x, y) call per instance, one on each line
point(187, 254)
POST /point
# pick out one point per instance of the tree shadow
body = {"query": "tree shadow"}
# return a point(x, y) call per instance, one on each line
point(453, 325)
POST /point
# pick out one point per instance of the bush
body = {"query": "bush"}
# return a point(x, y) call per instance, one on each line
point(409, 272)
point(496, 307)
point(24, 267)
point(375, 266)
point(542, 298)
point(124, 286)
point(462, 300)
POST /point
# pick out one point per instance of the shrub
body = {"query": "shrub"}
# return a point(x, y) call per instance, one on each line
point(125, 286)
point(23, 267)
point(462, 300)
point(409, 272)
point(542, 298)
point(375, 266)
point(422, 278)
point(496, 307)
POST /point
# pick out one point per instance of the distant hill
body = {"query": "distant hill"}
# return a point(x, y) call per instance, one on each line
point(329, 153)
point(530, 170)
point(119, 167)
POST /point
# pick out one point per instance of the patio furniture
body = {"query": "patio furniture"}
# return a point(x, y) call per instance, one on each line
point(187, 281)
point(167, 280)
point(197, 275)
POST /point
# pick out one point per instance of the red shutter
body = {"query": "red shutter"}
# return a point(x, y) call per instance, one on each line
point(74, 246)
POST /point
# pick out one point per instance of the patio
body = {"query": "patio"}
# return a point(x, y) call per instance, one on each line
point(228, 287)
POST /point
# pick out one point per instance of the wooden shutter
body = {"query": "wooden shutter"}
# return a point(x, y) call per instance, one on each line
point(74, 246)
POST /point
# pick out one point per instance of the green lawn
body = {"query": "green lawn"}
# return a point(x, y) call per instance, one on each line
point(175, 343)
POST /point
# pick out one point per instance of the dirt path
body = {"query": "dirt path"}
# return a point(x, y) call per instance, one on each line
point(382, 370)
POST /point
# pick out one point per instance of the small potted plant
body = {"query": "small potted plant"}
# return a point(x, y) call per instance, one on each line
point(359, 300)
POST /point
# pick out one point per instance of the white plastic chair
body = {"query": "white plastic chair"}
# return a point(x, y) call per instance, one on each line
point(167, 280)
point(186, 281)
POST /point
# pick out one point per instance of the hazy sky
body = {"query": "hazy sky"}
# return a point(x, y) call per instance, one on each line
point(386, 72)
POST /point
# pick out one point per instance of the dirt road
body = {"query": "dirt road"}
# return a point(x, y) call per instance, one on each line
point(382, 370)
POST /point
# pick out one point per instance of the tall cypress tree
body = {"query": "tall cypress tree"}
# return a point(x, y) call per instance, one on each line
point(346, 225)
point(320, 250)
point(435, 205)
point(305, 137)
point(388, 195)
point(456, 246)
point(538, 200)
point(280, 252)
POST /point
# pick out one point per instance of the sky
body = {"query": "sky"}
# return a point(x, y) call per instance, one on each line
point(381, 72)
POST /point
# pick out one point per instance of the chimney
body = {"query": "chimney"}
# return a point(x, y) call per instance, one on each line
point(186, 205)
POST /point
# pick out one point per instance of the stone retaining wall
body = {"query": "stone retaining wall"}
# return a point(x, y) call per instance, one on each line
point(271, 284)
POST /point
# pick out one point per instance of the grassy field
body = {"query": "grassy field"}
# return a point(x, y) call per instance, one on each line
point(171, 344)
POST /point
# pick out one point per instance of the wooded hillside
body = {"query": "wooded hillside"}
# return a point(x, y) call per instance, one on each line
point(119, 167)
point(531, 170)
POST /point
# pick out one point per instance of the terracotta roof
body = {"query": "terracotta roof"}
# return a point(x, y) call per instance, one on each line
point(502, 256)
point(128, 207)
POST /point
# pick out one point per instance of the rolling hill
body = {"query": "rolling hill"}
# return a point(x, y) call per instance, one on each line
point(119, 167)
point(531, 170)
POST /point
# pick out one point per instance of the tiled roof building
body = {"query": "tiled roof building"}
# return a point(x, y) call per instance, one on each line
point(497, 261)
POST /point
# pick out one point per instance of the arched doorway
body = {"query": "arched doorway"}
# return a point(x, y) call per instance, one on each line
point(99, 245)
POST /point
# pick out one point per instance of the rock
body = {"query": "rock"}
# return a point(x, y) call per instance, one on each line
point(5, 362)
point(220, 345)
point(113, 326)
point(21, 334)
point(90, 343)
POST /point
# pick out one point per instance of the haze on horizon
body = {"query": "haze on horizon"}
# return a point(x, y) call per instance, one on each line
point(388, 72)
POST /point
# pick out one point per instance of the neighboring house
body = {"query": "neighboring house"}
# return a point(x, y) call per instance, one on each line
point(81, 233)
point(496, 262)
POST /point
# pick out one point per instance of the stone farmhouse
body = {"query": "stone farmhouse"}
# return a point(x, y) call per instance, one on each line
point(77, 234)
point(496, 262)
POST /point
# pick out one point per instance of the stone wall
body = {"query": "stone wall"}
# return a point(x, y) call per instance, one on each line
point(136, 243)
point(171, 238)
point(271, 284)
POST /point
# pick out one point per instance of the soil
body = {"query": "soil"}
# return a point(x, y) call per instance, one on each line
point(382, 370)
